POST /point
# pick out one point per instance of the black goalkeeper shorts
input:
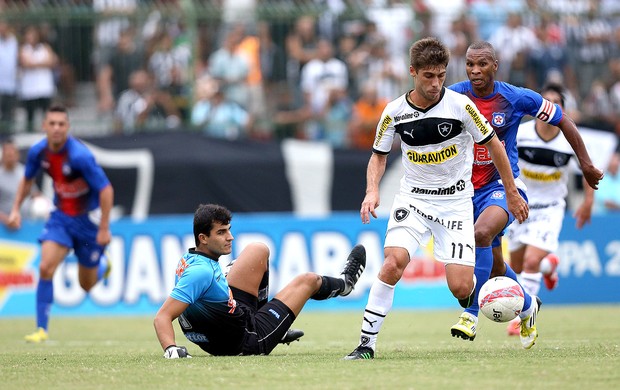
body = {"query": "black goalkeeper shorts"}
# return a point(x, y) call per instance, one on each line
point(265, 326)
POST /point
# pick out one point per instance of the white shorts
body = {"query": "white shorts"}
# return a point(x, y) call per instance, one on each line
point(449, 221)
point(541, 228)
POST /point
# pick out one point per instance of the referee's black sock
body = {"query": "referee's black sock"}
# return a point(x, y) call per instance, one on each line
point(330, 287)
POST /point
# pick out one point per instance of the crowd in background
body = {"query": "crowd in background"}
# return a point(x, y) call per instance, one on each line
point(317, 76)
point(323, 76)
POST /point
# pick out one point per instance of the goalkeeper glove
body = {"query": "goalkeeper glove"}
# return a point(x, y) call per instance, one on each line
point(174, 352)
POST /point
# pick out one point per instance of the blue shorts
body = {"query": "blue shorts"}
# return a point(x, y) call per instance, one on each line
point(78, 233)
point(493, 194)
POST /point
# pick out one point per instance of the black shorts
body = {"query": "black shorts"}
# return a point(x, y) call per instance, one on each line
point(265, 326)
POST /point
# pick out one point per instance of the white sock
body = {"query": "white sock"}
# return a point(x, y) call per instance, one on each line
point(379, 304)
point(531, 282)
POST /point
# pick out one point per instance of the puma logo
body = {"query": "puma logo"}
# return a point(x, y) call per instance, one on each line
point(529, 153)
point(409, 133)
point(371, 323)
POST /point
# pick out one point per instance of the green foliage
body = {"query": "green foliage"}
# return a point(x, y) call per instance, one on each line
point(578, 347)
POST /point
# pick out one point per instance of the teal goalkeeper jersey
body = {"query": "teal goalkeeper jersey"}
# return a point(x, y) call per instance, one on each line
point(212, 320)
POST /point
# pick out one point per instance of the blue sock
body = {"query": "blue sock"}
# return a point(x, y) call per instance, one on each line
point(45, 297)
point(512, 275)
point(482, 270)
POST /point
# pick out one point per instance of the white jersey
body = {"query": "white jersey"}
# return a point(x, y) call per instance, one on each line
point(544, 166)
point(436, 142)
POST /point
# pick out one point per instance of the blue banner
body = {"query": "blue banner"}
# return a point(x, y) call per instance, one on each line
point(144, 256)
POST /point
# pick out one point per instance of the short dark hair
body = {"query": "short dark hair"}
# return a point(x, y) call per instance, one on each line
point(57, 108)
point(553, 87)
point(481, 45)
point(8, 140)
point(428, 52)
point(204, 217)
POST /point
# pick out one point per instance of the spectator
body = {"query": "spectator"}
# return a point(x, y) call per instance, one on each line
point(513, 41)
point(231, 69)
point(37, 87)
point(490, 15)
point(365, 116)
point(319, 78)
point(11, 172)
point(169, 65)
point(113, 78)
point(144, 106)
point(216, 115)
point(394, 21)
point(112, 18)
point(336, 117)
point(594, 36)
point(607, 199)
point(301, 45)
point(289, 117)
point(9, 49)
point(598, 108)
point(249, 47)
point(458, 40)
point(550, 55)
point(385, 71)
point(272, 59)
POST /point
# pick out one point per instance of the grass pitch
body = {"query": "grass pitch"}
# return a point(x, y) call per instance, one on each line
point(578, 347)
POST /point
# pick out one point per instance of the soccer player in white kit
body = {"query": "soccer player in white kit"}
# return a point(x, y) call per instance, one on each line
point(437, 129)
point(544, 156)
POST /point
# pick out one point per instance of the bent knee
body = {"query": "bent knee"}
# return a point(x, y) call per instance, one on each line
point(259, 249)
point(392, 270)
point(462, 290)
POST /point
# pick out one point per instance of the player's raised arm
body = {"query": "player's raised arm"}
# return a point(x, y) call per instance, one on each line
point(591, 174)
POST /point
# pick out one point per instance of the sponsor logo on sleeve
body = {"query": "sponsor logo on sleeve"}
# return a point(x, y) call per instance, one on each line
point(382, 128)
point(480, 123)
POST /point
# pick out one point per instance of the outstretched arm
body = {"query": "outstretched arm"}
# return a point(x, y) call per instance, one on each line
point(516, 204)
point(374, 173)
point(591, 174)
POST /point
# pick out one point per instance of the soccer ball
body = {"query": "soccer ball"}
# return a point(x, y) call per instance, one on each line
point(501, 299)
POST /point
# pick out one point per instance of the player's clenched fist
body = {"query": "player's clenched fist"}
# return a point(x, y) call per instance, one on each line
point(174, 352)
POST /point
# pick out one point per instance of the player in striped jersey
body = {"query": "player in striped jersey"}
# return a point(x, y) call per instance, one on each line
point(504, 105)
point(437, 129)
point(83, 198)
point(544, 156)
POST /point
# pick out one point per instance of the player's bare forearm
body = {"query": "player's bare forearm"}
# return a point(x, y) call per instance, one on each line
point(374, 173)
point(516, 204)
point(23, 189)
point(106, 201)
point(591, 174)
point(164, 331)
point(14, 220)
point(170, 310)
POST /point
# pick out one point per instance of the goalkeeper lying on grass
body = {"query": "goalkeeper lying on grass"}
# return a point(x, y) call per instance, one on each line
point(231, 315)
